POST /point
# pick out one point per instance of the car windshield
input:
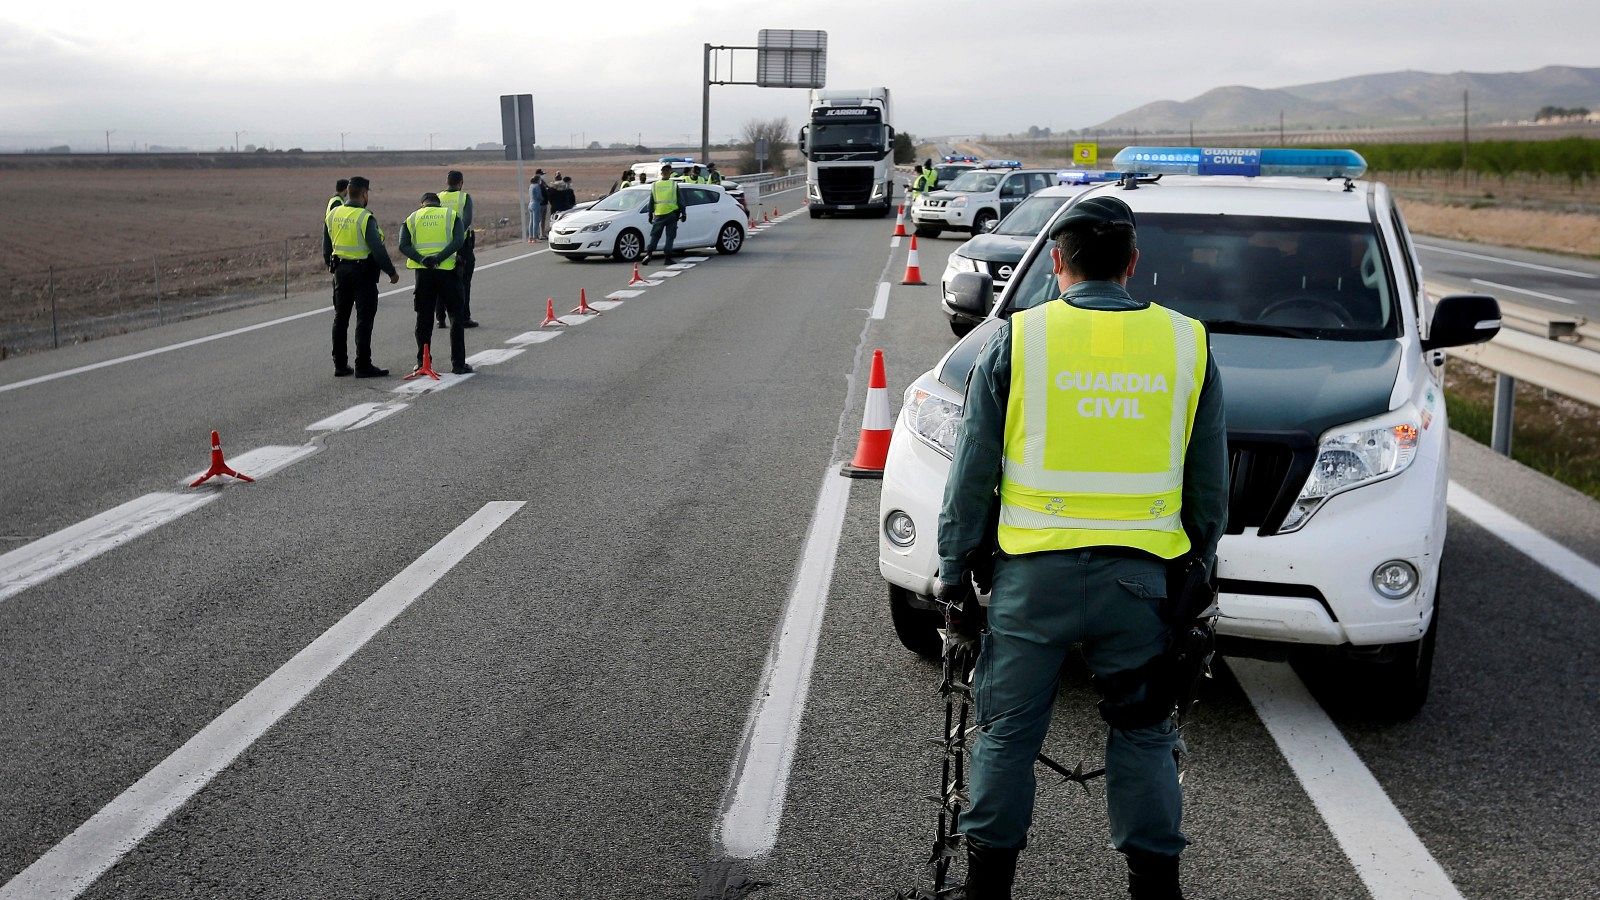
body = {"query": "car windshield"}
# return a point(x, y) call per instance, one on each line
point(1029, 218)
point(975, 182)
point(836, 136)
point(946, 173)
point(1303, 278)
point(622, 201)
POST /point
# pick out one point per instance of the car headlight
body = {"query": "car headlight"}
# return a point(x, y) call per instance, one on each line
point(1356, 455)
point(934, 419)
point(959, 263)
point(958, 202)
point(599, 226)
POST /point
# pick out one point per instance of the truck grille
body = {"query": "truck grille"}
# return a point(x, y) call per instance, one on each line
point(845, 184)
point(1265, 474)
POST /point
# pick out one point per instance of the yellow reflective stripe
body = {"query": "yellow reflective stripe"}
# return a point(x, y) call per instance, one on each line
point(1022, 517)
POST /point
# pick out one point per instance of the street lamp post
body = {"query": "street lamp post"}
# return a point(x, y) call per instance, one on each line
point(109, 133)
point(431, 136)
point(236, 139)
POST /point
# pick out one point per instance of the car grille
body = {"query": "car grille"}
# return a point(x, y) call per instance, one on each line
point(845, 184)
point(555, 245)
point(1265, 474)
point(1001, 272)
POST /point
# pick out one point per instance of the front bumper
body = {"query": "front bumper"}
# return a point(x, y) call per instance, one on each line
point(1312, 587)
point(941, 216)
point(578, 242)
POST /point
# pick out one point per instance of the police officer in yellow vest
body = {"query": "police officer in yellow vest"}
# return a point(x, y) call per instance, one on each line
point(341, 189)
point(456, 198)
point(666, 211)
point(430, 240)
point(916, 184)
point(1093, 453)
point(352, 248)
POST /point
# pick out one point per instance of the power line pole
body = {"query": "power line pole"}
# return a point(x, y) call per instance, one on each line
point(431, 136)
point(1281, 141)
point(342, 136)
point(1464, 134)
point(236, 140)
point(1191, 132)
point(109, 133)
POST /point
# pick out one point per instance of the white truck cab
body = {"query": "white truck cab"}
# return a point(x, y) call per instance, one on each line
point(1338, 437)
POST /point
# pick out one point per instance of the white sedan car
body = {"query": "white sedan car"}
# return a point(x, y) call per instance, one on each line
point(619, 225)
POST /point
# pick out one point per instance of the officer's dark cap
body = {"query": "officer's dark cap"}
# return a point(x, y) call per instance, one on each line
point(1093, 211)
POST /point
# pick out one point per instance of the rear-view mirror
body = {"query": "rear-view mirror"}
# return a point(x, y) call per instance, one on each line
point(972, 294)
point(1462, 319)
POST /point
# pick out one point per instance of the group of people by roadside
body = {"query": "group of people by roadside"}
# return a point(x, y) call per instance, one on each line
point(547, 199)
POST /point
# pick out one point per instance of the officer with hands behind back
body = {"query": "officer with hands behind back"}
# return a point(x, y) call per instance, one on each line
point(1093, 453)
point(666, 211)
point(430, 240)
point(352, 248)
point(456, 199)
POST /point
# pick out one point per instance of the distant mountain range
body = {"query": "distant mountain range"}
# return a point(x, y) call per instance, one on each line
point(1387, 99)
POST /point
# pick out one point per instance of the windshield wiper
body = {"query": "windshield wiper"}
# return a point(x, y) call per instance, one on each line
point(1234, 326)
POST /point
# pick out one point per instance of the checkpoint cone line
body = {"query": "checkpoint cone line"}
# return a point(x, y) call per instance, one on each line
point(426, 369)
point(637, 278)
point(913, 265)
point(877, 425)
point(219, 465)
point(550, 320)
point(583, 308)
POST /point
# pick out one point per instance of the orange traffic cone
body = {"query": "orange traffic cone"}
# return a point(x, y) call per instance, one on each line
point(775, 211)
point(877, 424)
point(765, 219)
point(550, 320)
point(583, 308)
point(913, 265)
point(219, 466)
point(427, 365)
point(900, 222)
point(753, 222)
point(635, 279)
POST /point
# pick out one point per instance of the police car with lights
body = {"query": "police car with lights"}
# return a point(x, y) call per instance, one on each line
point(978, 198)
point(1329, 352)
point(999, 251)
point(950, 170)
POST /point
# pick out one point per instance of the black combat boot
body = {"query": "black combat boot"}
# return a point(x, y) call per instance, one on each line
point(1152, 876)
point(990, 872)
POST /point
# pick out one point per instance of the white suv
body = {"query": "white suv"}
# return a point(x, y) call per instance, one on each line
point(1328, 350)
point(978, 198)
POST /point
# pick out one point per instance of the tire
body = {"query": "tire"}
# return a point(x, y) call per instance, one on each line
point(883, 213)
point(1387, 685)
point(983, 222)
point(917, 629)
point(730, 239)
point(960, 328)
point(924, 231)
point(816, 214)
point(629, 247)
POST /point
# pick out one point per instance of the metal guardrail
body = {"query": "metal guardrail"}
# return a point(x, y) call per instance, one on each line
point(755, 189)
point(1559, 353)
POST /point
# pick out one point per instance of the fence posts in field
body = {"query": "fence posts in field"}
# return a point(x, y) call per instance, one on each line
point(55, 334)
point(155, 268)
point(285, 268)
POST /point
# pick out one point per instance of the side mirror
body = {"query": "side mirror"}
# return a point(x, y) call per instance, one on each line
point(972, 294)
point(805, 131)
point(1462, 319)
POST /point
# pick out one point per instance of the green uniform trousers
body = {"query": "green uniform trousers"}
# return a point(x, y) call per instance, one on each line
point(1041, 605)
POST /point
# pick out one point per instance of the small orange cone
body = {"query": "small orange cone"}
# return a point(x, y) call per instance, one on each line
point(550, 320)
point(913, 265)
point(900, 222)
point(427, 366)
point(877, 425)
point(635, 279)
point(753, 222)
point(583, 308)
point(765, 219)
point(219, 466)
point(775, 211)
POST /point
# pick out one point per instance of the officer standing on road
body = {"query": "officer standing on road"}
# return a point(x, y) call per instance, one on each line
point(666, 211)
point(341, 189)
point(626, 181)
point(916, 183)
point(430, 240)
point(712, 175)
point(352, 248)
point(1093, 435)
point(456, 199)
point(930, 177)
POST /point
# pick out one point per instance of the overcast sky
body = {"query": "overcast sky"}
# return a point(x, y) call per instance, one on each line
point(295, 73)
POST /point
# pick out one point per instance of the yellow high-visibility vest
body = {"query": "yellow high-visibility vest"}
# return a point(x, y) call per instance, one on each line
point(665, 196)
point(455, 201)
point(431, 228)
point(333, 201)
point(347, 229)
point(1098, 420)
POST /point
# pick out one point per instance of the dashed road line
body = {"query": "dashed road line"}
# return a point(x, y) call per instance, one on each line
point(1387, 854)
point(1540, 294)
point(445, 382)
point(534, 337)
point(1510, 262)
point(494, 356)
point(72, 865)
point(880, 303)
point(357, 417)
point(624, 294)
point(261, 462)
point(664, 273)
point(49, 556)
point(1581, 573)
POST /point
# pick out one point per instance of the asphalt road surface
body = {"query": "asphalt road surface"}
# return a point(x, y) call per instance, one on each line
point(600, 621)
point(1565, 286)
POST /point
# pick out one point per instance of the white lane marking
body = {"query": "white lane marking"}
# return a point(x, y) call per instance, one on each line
point(49, 556)
point(682, 267)
point(359, 416)
point(624, 295)
point(534, 337)
point(1583, 574)
point(894, 242)
point(260, 462)
point(428, 385)
point(71, 866)
point(1540, 294)
point(694, 259)
point(606, 305)
point(1388, 856)
point(194, 342)
point(574, 320)
point(880, 303)
point(493, 356)
point(753, 809)
point(664, 273)
point(1510, 262)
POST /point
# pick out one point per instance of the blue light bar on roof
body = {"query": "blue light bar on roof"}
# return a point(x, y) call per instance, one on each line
point(1241, 161)
point(673, 159)
point(1079, 176)
point(1001, 164)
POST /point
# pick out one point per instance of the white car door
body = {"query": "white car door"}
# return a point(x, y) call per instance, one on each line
point(700, 205)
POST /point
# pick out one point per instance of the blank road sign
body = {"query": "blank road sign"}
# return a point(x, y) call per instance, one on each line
point(791, 59)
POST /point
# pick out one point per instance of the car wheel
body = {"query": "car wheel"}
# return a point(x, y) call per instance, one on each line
point(924, 231)
point(918, 629)
point(630, 245)
point(816, 214)
point(984, 223)
point(730, 239)
point(960, 328)
point(883, 213)
point(1384, 684)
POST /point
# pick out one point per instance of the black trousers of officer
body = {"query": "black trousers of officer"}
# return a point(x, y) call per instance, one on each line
point(355, 287)
point(669, 224)
point(466, 261)
point(440, 290)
